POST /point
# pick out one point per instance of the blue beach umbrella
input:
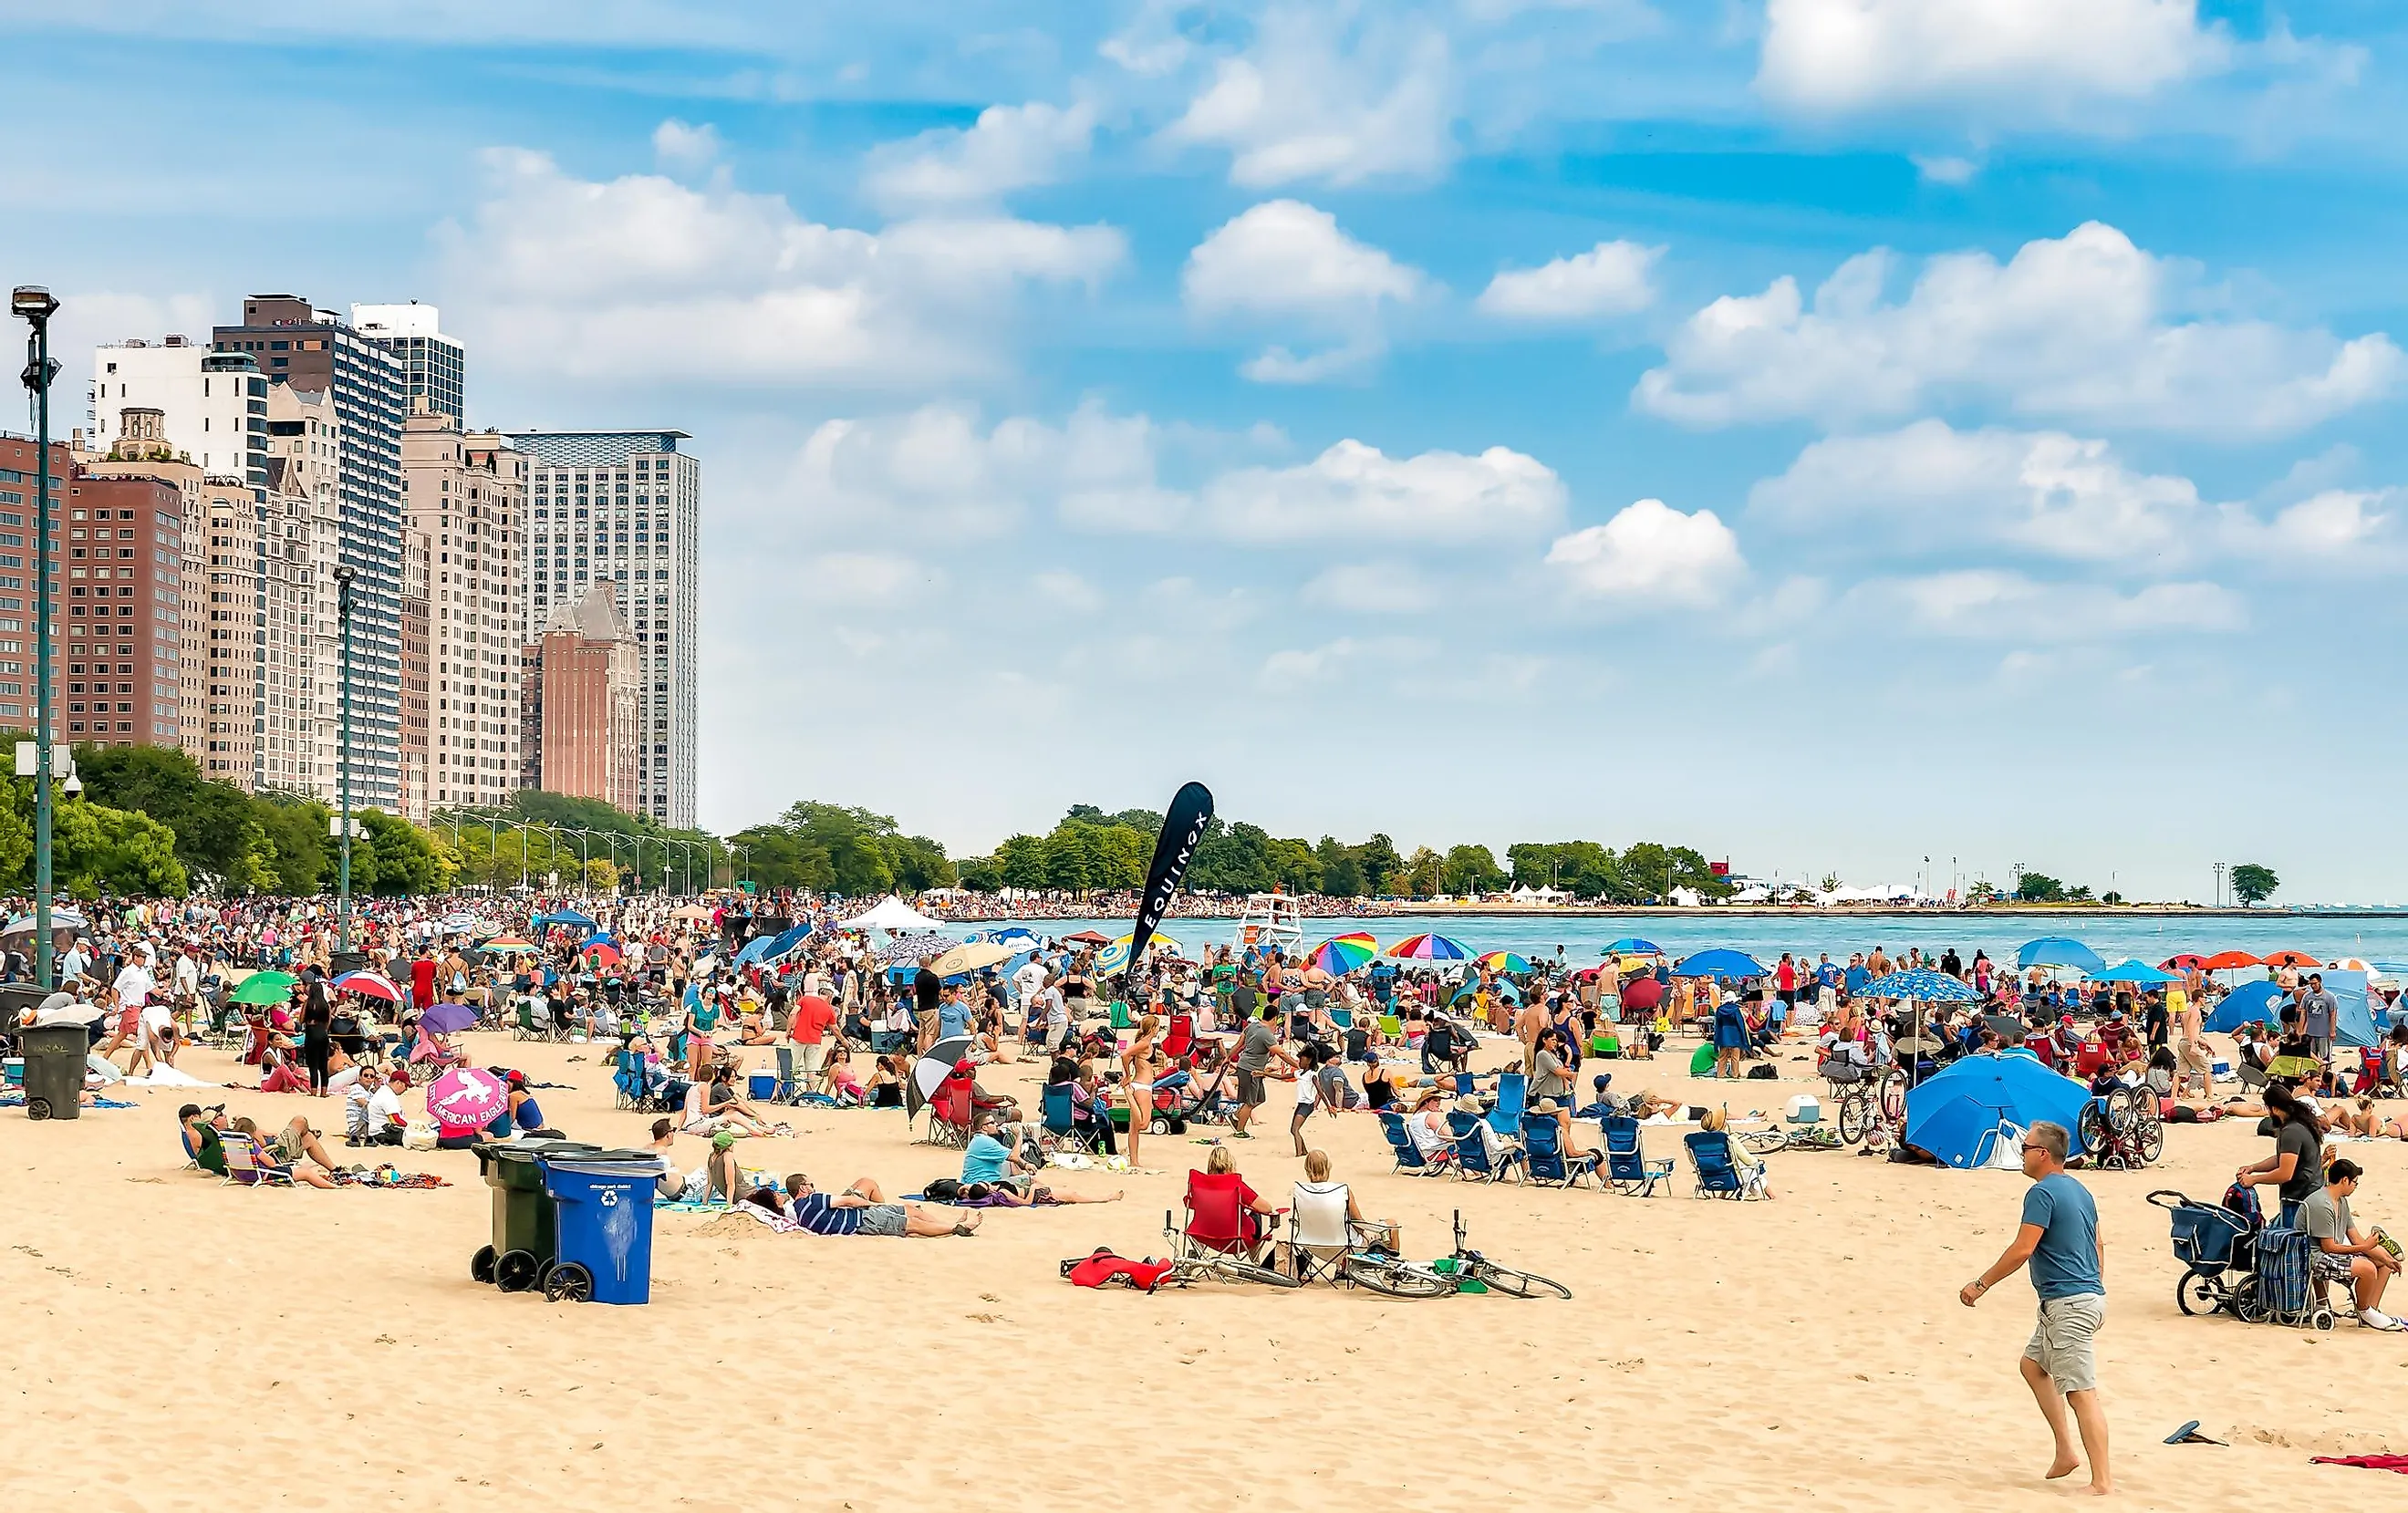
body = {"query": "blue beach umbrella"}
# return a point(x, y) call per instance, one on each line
point(1962, 1113)
point(1923, 986)
point(1720, 963)
point(2134, 971)
point(1632, 946)
point(2060, 951)
point(2250, 1001)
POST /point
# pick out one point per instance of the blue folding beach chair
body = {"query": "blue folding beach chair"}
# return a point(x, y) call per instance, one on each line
point(1543, 1157)
point(1512, 1096)
point(1060, 1121)
point(1627, 1170)
point(1409, 1159)
point(1473, 1159)
point(1719, 1174)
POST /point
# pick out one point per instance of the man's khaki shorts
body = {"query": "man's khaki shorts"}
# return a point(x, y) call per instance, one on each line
point(2061, 1341)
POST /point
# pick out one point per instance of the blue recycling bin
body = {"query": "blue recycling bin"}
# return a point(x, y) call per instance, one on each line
point(604, 1228)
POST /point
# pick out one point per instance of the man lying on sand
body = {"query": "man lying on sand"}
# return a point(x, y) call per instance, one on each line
point(859, 1209)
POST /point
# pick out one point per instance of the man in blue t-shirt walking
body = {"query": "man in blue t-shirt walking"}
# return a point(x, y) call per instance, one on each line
point(2059, 1235)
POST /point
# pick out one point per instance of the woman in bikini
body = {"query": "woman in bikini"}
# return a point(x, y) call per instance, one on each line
point(1137, 1079)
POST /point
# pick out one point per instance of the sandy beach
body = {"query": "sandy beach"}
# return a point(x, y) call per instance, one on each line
point(176, 1343)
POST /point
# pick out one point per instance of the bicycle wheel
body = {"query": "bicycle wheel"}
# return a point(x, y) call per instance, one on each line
point(2246, 1303)
point(1515, 1284)
point(2149, 1126)
point(1395, 1278)
point(1231, 1269)
point(1890, 1094)
point(1853, 1119)
point(1766, 1142)
point(2091, 1128)
point(2197, 1294)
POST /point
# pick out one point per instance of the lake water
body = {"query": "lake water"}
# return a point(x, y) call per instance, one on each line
point(2152, 938)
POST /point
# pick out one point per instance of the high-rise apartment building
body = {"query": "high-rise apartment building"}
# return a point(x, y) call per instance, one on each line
point(20, 462)
point(625, 507)
point(302, 348)
point(415, 582)
point(583, 674)
point(142, 448)
point(212, 406)
point(467, 494)
point(434, 366)
point(302, 741)
point(123, 647)
point(234, 667)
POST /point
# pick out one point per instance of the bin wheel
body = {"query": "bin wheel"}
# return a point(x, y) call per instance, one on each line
point(38, 1108)
point(480, 1265)
point(568, 1282)
point(516, 1271)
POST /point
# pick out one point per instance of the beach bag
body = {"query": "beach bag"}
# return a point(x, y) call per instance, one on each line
point(1761, 1074)
point(418, 1137)
point(942, 1190)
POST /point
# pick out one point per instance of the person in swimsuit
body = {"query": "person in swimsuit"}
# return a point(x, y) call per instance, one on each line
point(1137, 1078)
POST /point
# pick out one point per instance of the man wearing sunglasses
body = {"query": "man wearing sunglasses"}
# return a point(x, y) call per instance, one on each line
point(2059, 1235)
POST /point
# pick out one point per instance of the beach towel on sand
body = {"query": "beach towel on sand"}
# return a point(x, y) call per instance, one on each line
point(2371, 1462)
point(1103, 1268)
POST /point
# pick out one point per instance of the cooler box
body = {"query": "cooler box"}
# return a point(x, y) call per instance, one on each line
point(605, 1227)
point(762, 1086)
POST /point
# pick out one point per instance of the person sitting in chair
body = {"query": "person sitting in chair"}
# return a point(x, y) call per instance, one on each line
point(1327, 1219)
point(2343, 1253)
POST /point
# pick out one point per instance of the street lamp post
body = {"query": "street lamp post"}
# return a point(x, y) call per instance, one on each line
point(37, 305)
point(344, 575)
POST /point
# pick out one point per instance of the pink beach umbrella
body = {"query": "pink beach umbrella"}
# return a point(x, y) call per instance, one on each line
point(465, 1100)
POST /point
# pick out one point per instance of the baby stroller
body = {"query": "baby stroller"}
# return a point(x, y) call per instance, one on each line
point(2218, 1248)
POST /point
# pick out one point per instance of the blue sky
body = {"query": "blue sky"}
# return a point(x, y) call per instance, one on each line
point(1824, 432)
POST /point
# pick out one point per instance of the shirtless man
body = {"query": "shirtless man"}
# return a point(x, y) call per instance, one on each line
point(2190, 1049)
point(1527, 1024)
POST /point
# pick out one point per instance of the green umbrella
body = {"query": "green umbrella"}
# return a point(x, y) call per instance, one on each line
point(265, 988)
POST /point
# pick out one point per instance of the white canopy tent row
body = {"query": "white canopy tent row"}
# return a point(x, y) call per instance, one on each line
point(896, 917)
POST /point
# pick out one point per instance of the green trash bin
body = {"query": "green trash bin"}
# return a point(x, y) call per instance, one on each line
point(54, 1056)
point(526, 1241)
point(523, 1244)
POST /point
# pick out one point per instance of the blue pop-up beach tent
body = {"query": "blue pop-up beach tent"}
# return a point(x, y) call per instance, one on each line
point(2251, 1001)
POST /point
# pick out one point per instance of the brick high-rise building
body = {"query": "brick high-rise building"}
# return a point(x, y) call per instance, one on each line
point(583, 716)
point(123, 646)
point(19, 472)
point(415, 578)
point(466, 493)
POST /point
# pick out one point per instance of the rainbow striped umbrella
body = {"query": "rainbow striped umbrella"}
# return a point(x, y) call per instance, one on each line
point(1505, 961)
point(1341, 954)
point(1428, 949)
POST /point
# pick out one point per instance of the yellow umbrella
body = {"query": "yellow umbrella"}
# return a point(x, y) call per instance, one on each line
point(1113, 958)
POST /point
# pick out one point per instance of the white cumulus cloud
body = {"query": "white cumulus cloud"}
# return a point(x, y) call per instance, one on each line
point(1010, 147)
point(2041, 56)
point(1610, 279)
point(1287, 264)
point(2085, 326)
point(679, 145)
point(573, 277)
point(1328, 97)
point(1990, 604)
point(1651, 553)
point(1352, 490)
point(936, 472)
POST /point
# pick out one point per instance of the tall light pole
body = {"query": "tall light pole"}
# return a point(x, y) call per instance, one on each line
point(37, 305)
point(343, 577)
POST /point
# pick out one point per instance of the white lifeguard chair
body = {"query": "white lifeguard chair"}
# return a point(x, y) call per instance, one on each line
point(1270, 920)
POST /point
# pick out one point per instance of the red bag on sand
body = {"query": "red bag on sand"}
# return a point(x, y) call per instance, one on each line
point(1104, 1267)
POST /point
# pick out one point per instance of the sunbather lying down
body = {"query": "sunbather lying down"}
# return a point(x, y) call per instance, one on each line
point(1004, 1195)
point(859, 1209)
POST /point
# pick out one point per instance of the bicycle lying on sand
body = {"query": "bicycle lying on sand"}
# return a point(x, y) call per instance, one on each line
point(1470, 1266)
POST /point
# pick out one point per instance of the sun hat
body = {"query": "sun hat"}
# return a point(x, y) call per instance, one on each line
point(1544, 1106)
point(1467, 1105)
